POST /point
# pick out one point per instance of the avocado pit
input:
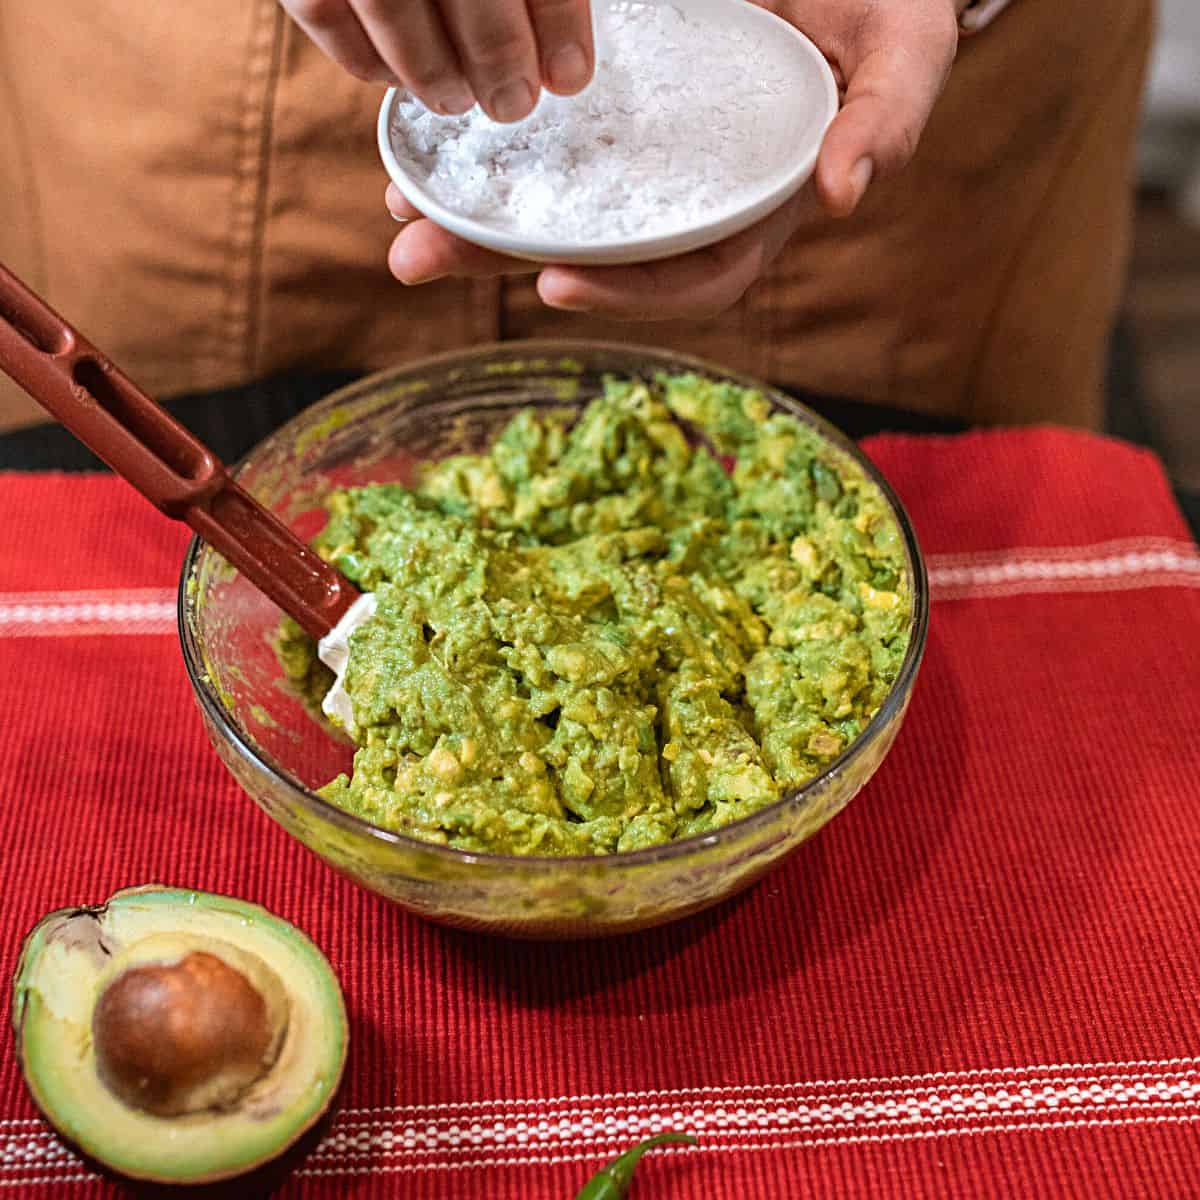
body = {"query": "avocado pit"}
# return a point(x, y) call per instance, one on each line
point(181, 1037)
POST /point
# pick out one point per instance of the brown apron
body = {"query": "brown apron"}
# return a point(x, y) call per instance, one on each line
point(198, 189)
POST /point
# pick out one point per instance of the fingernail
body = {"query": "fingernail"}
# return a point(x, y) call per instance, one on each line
point(860, 178)
point(568, 69)
point(513, 101)
point(415, 279)
point(402, 220)
point(456, 101)
point(558, 297)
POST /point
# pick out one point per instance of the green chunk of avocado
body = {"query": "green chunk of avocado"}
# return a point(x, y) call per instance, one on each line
point(177, 1036)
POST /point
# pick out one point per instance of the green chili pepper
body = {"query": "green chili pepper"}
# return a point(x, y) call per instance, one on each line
point(613, 1181)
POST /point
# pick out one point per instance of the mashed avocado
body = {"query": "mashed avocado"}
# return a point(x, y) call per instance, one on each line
point(604, 636)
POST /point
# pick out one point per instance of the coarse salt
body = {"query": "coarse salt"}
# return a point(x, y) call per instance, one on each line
point(683, 119)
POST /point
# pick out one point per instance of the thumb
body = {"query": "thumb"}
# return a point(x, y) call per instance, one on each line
point(893, 82)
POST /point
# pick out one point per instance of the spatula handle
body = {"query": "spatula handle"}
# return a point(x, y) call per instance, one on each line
point(144, 444)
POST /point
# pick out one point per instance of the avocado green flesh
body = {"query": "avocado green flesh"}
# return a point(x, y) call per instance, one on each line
point(55, 990)
point(603, 637)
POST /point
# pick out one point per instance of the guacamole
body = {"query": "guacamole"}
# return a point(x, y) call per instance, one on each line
point(610, 634)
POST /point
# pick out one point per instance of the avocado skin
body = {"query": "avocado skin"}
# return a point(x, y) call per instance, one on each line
point(256, 1176)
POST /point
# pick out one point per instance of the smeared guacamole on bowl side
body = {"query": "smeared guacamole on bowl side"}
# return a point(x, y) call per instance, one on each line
point(604, 636)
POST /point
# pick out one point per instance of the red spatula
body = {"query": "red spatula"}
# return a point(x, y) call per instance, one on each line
point(181, 477)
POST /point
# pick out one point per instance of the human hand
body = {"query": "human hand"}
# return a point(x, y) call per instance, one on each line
point(451, 53)
point(891, 58)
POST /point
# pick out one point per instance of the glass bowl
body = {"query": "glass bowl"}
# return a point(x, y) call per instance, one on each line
point(380, 429)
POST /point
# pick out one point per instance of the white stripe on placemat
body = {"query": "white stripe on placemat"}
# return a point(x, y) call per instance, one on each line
point(750, 1118)
point(82, 614)
point(1118, 565)
point(1113, 566)
point(1105, 567)
point(1103, 549)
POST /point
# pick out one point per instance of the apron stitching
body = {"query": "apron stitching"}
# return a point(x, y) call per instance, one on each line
point(232, 330)
point(254, 282)
point(773, 288)
point(486, 298)
point(761, 332)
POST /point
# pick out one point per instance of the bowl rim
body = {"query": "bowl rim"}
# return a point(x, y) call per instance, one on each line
point(725, 222)
point(554, 349)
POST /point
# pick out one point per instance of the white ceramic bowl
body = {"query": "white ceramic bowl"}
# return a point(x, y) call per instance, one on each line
point(816, 102)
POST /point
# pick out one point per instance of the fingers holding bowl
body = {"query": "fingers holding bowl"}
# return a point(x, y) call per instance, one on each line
point(700, 284)
point(895, 66)
point(423, 251)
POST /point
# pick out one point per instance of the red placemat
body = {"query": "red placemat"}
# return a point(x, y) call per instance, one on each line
point(983, 978)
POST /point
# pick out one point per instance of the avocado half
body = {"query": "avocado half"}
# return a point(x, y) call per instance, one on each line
point(177, 1036)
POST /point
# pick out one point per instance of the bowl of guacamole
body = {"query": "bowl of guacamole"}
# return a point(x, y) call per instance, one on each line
point(642, 627)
